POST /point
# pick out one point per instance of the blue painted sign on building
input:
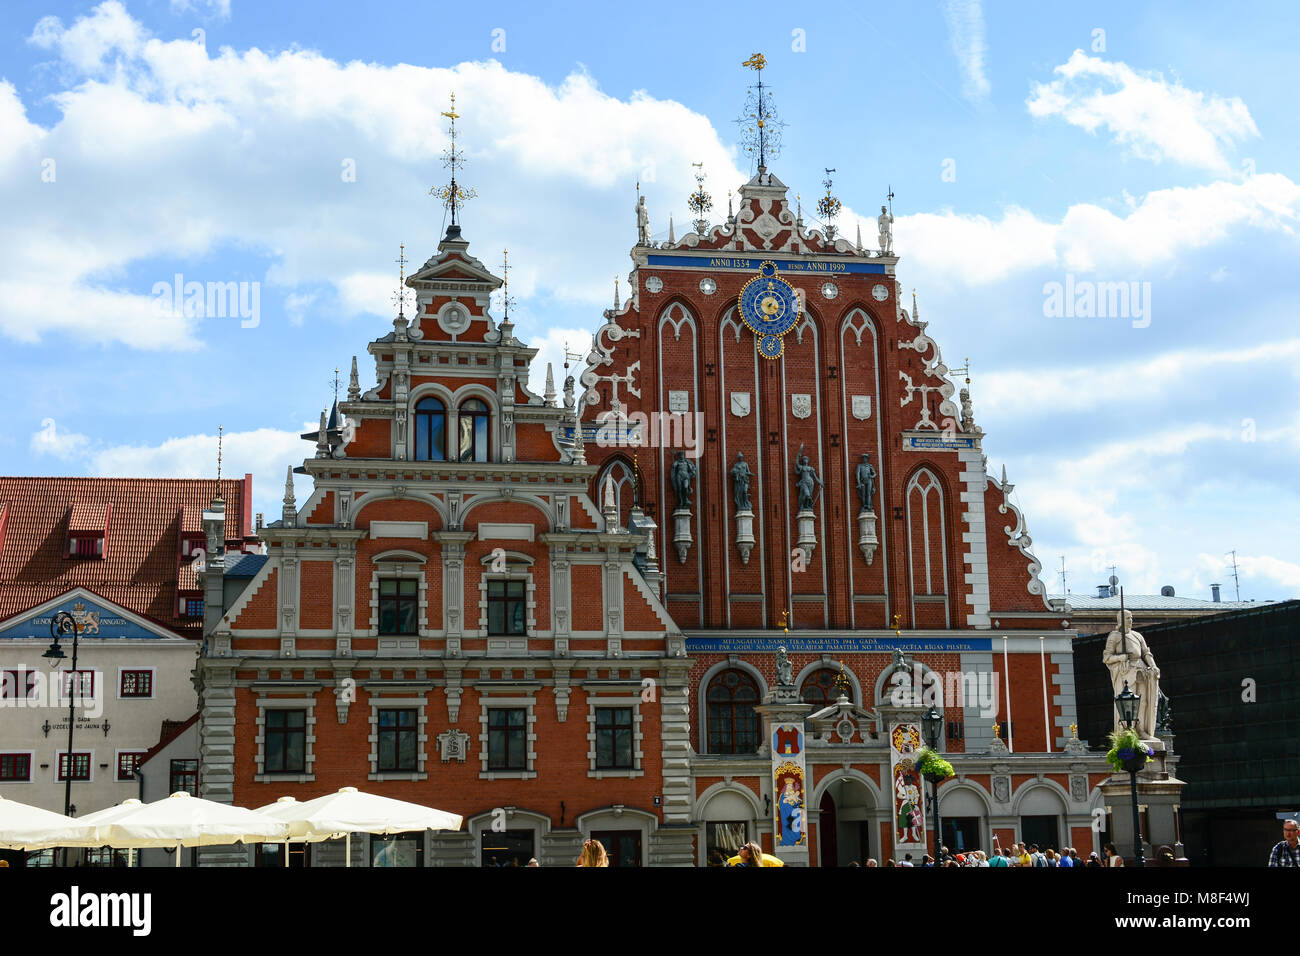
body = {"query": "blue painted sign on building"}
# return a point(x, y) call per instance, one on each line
point(93, 620)
point(837, 645)
point(751, 264)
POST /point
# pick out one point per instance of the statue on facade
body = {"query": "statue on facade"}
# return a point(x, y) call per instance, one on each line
point(1130, 661)
point(865, 477)
point(741, 475)
point(642, 223)
point(682, 477)
point(806, 481)
point(784, 669)
point(885, 221)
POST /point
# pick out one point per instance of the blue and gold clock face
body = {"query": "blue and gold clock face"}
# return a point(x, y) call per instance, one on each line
point(770, 308)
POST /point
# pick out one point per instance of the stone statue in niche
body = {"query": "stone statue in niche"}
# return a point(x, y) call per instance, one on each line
point(806, 481)
point(741, 476)
point(865, 477)
point(683, 476)
point(784, 669)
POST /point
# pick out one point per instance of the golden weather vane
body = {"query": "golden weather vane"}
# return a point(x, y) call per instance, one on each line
point(760, 128)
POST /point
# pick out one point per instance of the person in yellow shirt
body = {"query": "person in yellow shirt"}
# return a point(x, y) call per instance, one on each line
point(752, 855)
point(1023, 858)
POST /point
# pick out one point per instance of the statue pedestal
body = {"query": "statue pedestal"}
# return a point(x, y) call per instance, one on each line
point(744, 533)
point(682, 532)
point(807, 538)
point(1159, 795)
point(867, 539)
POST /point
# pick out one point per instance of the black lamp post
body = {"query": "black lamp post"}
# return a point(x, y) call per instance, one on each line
point(1127, 704)
point(931, 727)
point(61, 625)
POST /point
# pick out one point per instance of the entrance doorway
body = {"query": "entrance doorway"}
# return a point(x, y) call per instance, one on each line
point(506, 847)
point(845, 821)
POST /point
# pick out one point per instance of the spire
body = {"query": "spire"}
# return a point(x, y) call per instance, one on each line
point(916, 316)
point(671, 238)
point(290, 511)
point(731, 215)
point(354, 384)
point(452, 195)
point(549, 395)
point(322, 438)
point(859, 238)
point(615, 293)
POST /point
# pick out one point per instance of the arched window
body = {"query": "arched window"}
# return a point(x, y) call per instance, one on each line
point(430, 430)
point(474, 417)
point(733, 722)
point(819, 688)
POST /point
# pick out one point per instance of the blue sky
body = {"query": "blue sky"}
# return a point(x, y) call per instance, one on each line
point(1026, 145)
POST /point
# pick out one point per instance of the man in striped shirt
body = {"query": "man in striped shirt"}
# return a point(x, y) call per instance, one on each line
point(1287, 852)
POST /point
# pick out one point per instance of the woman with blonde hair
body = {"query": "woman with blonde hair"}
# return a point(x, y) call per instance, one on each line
point(593, 854)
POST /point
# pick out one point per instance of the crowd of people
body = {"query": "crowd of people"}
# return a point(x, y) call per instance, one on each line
point(1018, 854)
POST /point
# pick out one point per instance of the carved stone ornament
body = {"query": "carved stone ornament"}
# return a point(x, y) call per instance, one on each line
point(861, 406)
point(801, 406)
point(454, 745)
point(740, 406)
point(1002, 789)
point(1078, 787)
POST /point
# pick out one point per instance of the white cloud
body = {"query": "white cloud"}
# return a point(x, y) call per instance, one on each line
point(1163, 225)
point(1154, 118)
point(179, 154)
point(966, 35)
point(1132, 383)
point(50, 441)
point(219, 9)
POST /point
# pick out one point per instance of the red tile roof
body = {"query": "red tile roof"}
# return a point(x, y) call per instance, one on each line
point(141, 567)
point(89, 516)
point(171, 729)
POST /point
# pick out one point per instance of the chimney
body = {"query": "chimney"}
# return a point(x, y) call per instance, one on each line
point(1167, 591)
point(1214, 593)
point(1103, 590)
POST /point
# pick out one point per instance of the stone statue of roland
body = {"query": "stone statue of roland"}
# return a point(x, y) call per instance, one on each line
point(1129, 659)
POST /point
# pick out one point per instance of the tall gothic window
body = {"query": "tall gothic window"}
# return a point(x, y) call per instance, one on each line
point(430, 430)
point(474, 417)
point(733, 722)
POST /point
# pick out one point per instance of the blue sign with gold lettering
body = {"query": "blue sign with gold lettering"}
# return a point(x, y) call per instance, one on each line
point(92, 620)
point(751, 263)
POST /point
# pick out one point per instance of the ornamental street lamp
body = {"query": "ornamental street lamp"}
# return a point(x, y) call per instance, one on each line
point(931, 727)
point(1127, 705)
point(61, 625)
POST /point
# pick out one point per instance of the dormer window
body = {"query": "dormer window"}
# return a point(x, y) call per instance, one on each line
point(430, 430)
point(87, 529)
point(474, 418)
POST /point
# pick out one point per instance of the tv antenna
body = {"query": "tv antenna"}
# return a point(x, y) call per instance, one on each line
point(1236, 580)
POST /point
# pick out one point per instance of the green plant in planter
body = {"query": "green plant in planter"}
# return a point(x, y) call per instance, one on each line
point(932, 765)
point(1127, 751)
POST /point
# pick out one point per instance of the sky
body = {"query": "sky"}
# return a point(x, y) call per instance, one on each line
point(1036, 153)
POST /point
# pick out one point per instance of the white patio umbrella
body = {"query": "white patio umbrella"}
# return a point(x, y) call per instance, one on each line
point(24, 827)
point(182, 820)
point(100, 818)
point(350, 810)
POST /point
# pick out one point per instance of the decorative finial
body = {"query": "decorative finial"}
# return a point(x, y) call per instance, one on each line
point(916, 315)
point(842, 682)
point(785, 616)
point(400, 296)
point(289, 512)
point(549, 395)
point(322, 438)
point(453, 196)
point(700, 201)
point(615, 293)
point(997, 731)
point(730, 214)
point(354, 383)
point(1074, 731)
point(828, 207)
point(859, 238)
point(898, 618)
point(220, 433)
point(798, 205)
point(505, 285)
point(760, 129)
point(671, 237)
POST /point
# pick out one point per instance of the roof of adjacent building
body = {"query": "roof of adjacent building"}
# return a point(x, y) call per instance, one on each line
point(245, 565)
point(1150, 602)
point(171, 729)
point(142, 521)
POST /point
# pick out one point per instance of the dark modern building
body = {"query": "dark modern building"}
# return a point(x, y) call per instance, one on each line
point(1233, 681)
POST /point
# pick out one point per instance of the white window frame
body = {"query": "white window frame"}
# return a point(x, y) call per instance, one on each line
point(508, 643)
point(399, 569)
point(530, 737)
point(90, 779)
point(594, 703)
point(306, 703)
point(153, 682)
point(31, 765)
point(418, 704)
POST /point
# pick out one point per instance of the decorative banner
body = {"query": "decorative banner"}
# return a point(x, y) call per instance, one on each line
point(909, 801)
point(788, 785)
